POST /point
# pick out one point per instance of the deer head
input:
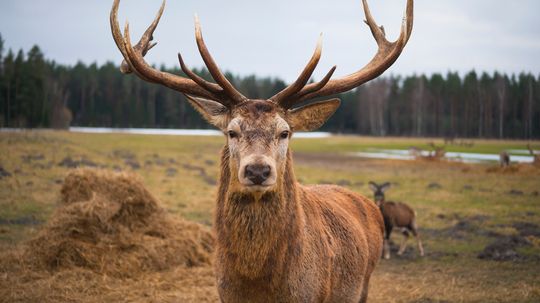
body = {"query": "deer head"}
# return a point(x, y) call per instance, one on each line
point(258, 131)
point(378, 191)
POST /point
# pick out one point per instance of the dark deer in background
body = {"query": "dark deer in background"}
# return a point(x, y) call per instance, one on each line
point(395, 215)
point(278, 241)
point(504, 159)
point(437, 152)
point(536, 156)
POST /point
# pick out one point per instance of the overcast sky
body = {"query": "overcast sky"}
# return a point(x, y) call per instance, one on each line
point(277, 37)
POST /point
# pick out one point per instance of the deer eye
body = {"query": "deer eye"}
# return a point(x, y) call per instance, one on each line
point(284, 135)
point(232, 134)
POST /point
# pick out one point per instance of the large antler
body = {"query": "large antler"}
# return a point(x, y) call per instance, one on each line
point(222, 92)
point(386, 55)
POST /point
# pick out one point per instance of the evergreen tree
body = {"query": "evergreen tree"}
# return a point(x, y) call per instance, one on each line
point(35, 92)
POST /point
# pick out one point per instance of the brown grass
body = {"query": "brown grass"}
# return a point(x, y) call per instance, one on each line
point(451, 271)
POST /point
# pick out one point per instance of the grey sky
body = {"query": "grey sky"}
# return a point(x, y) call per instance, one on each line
point(277, 37)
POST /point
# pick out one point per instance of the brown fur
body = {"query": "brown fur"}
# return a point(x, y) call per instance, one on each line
point(395, 214)
point(400, 215)
point(279, 241)
point(295, 244)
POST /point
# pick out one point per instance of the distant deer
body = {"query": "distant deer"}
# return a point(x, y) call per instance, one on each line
point(395, 214)
point(438, 152)
point(504, 159)
point(278, 241)
point(536, 157)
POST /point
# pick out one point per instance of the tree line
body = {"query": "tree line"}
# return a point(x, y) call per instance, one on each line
point(36, 92)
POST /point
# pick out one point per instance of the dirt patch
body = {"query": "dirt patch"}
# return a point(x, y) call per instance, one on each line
point(108, 228)
point(130, 159)
point(467, 187)
point(82, 162)
point(515, 192)
point(171, 172)
point(155, 159)
point(32, 157)
point(504, 249)
point(4, 173)
point(27, 220)
point(343, 182)
point(132, 163)
point(461, 228)
point(434, 185)
point(527, 229)
point(123, 154)
point(202, 173)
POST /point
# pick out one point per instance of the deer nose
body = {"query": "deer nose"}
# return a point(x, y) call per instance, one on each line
point(257, 173)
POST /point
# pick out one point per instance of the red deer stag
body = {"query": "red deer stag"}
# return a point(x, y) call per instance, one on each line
point(278, 241)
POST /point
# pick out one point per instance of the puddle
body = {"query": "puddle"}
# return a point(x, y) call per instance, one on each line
point(405, 154)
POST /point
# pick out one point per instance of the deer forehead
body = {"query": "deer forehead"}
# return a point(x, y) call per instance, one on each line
point(260, 118)
point(266, 128)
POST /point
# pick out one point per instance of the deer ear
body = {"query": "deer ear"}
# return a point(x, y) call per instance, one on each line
point(213, 112)
point(312, 116)
point(373, 186)
point(385, 187)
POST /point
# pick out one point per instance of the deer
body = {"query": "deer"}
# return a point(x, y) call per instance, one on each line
point(278, 240)
point(395, 214)
point(504, 159)
point(437, 152)
point(536, 157)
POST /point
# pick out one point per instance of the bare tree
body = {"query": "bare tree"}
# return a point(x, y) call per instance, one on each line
point(500, 86)
point(60, 115)
point(419, 106)
point(377, 93)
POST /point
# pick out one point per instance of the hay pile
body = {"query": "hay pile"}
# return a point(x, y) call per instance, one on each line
point(110, 241)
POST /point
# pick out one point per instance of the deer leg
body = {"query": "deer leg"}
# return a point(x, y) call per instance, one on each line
point(414, 230)
point(386, 243)
point(403, 244)
point(386, 249)
point(364, 297)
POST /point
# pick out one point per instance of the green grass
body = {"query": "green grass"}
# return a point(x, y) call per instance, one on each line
point(346, 144)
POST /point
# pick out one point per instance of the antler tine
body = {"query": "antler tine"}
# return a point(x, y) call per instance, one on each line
point(377, 32)
point(386, 55)
point(317, 86)
point(235, 96)
point(198, 79)
point(282, 96)
point(290, 102)
point(144, 44)
point(134, 62)
point(175, 82)
point(125, 66)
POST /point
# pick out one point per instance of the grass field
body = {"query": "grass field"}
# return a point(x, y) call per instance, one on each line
point(462, 208)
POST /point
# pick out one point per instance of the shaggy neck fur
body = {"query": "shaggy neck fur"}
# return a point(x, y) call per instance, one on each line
point(255, 232)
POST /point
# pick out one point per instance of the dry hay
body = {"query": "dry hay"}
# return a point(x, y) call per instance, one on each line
point(110, 240)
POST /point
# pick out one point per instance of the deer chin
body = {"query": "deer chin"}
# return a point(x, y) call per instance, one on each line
point(258, 189)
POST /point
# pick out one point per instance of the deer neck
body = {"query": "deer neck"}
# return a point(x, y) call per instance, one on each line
point(254, 231)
